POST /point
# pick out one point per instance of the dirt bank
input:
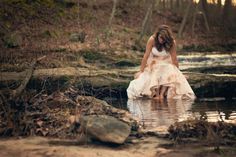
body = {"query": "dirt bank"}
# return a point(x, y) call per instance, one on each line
point(148, 147)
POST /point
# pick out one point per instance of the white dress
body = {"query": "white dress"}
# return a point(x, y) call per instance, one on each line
point(158, 72)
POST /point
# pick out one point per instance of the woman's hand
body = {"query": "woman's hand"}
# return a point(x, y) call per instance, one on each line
point(136, 75)
point(186, 76)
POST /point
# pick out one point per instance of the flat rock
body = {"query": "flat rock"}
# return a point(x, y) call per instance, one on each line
point(105, 128)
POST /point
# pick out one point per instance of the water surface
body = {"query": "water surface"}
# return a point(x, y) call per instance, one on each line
point(154, 113)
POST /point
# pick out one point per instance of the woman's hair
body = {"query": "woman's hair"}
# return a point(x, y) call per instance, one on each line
point(167, 37)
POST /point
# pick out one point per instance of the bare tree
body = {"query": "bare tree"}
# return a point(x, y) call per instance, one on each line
point(201, 13)
point(177, 5)
point(164, 4)
point(146, 19)
point(219, 4)
point(112, 14)
point(204, 7)
point(180, 32)
point(226, 12)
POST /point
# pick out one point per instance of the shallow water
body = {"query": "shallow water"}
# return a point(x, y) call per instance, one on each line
point(202, 60)
point(154, 114)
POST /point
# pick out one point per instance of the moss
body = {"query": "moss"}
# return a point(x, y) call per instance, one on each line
point(13, 40)
point(65, 3)
point(126, 63)
point(92, 56)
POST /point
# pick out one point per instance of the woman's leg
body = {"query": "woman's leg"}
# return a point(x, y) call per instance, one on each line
point(163, 92)
point(157, 93)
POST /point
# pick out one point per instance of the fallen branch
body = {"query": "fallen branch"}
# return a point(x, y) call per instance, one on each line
point(16, 92)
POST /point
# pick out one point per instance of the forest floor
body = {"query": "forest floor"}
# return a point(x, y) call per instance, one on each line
point(148, 147)
point(32, 28)
point(67, 33)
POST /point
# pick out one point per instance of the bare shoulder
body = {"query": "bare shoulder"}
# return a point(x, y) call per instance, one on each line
point(151, 40)
point(174, 42)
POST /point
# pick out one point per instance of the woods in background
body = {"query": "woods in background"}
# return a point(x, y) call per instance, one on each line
point(97, 21)
point(198, 13)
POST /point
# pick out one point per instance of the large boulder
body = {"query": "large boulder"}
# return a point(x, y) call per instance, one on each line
point(105, 128)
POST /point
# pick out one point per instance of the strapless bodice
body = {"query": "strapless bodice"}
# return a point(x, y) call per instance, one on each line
point(157, 53)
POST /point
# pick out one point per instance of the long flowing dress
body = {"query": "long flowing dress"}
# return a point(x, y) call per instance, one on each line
point(160, 71)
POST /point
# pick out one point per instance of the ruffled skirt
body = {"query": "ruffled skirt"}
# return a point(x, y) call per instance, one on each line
point(157, 74)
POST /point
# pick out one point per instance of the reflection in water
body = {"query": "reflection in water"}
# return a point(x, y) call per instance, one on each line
point(153, 113)
point(215, 110)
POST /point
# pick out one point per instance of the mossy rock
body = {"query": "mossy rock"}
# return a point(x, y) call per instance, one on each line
point(49, 34)
point(78, 37)
point(93, 56)
point(66, 3)
point(12, 40)
point(125, 63)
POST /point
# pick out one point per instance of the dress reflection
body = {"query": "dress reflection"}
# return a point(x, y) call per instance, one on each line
point(155, 113)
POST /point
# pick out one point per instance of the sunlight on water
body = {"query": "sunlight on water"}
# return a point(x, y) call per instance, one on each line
point(202, 60)
point(154, 114)
point(198, 60)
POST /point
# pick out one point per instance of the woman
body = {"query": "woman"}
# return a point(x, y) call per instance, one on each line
point(159, 76)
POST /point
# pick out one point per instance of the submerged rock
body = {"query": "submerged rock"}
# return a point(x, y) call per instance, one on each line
point(105, 128)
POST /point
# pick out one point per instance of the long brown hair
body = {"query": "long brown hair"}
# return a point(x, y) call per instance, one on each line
point(167, 37)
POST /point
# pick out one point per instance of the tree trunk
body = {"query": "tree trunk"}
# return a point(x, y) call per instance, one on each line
point(177, 5)
point(219, 4)
point(180, 32)
point(219, 9)
point(226, 12)
point(112, 14)
point(164, 4)
point(171, 5)
point(204, 6)
point(146, 20)
point(197, 12)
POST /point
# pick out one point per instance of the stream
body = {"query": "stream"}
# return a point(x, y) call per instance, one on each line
point(154, 114)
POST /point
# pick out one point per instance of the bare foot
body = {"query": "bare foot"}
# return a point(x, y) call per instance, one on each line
point(156, 98)
point(161, 98)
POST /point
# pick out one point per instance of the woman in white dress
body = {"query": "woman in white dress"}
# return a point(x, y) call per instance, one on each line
point(159, 76)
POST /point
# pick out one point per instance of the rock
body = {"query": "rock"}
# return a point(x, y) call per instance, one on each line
point(100, 107)
point(105, 128)
point(67, 3)
point(13, 40)
point(125, 63)
point(160, 131)
point(75, 37)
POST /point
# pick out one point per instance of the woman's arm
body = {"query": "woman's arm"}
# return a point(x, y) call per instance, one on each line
point(174, 55)
point(149, 46)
